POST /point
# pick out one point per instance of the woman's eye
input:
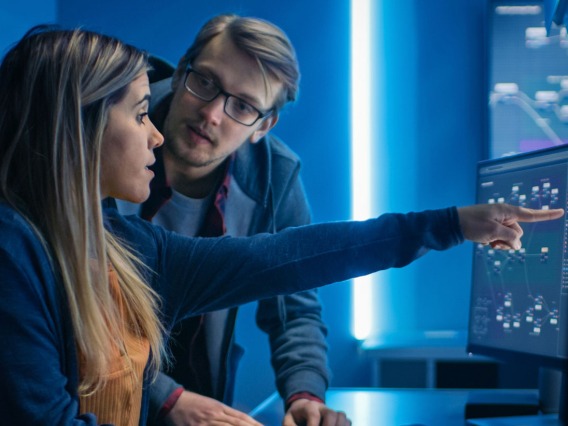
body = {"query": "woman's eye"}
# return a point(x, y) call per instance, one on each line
point(141, 117)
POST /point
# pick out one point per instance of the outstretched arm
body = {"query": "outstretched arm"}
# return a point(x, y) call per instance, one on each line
point(498, 224)
point(190, 280)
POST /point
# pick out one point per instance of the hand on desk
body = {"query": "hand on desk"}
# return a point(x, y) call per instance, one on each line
point(304, 412)
point(498, 224)
point(192, 409)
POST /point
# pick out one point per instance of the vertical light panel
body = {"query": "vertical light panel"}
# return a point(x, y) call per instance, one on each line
point(361, 137)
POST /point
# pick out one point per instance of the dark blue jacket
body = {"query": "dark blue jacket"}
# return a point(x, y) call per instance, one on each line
point(38, 360)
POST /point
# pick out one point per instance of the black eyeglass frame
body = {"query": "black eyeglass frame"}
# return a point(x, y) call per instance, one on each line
point(221, 91)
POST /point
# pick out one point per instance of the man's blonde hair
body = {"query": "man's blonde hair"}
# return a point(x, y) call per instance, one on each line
point(267, 44)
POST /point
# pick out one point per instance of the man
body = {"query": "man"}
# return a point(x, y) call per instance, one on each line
point(221, 172)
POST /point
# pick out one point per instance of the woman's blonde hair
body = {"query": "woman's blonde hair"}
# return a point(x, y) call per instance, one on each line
point(56, 88)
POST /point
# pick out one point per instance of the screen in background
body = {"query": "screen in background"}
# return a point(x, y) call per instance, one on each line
point(528, 79)
point(519, 298)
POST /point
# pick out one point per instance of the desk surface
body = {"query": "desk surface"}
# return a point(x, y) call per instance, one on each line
point(397, 407)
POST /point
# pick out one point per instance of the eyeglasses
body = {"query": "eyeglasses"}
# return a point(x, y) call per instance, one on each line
point(207, 90)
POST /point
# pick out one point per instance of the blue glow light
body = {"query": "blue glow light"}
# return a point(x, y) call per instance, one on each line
point(361, 137)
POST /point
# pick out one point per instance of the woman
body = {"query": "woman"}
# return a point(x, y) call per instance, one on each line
point(86, 295)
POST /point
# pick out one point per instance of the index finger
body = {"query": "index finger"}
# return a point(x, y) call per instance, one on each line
point(531, 215)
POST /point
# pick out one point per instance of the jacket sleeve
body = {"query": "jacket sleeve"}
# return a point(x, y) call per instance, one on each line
point(35, 389)
point(160, 390)
point(297, 343)
point(293, 323)
point(197, 275)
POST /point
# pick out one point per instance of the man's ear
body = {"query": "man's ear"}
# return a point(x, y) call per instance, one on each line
point(267, 124)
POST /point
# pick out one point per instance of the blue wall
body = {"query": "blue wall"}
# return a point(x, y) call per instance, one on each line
point(17, 17)
point(433, 102)
point(434, 130)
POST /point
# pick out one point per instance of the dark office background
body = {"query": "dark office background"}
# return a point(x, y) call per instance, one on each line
point(432, 95)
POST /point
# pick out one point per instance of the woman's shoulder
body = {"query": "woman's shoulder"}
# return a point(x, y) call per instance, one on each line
point(9, 215)
point(143, 237)
point(14, 227)
point(20, 245)
point(130, 227)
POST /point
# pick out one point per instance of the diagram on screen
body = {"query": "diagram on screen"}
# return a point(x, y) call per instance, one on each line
point(520, 292)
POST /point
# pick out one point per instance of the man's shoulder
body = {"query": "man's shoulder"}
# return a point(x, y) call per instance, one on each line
point(268, 153)
point(265, 166)
point(266, 160)
point(280, 150)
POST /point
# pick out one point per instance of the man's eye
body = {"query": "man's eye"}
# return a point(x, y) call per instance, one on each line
point(205, 83)
point(244, 107)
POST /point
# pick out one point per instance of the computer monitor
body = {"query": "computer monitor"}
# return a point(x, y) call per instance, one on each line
point(527, 78)
point(519, 298)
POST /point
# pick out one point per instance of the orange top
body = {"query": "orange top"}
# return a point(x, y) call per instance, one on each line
point(119, 401)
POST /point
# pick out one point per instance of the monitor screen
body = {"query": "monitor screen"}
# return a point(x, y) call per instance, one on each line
point(519, 298)
point(528, 79)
